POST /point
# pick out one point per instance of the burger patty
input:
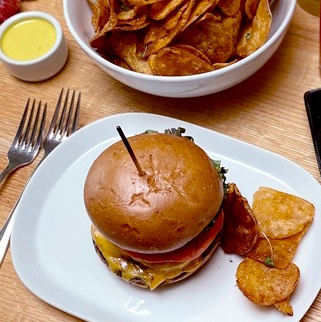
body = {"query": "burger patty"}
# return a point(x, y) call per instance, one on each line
point(148, 276)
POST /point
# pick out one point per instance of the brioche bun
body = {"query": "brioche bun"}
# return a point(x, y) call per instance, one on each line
point(162, 210)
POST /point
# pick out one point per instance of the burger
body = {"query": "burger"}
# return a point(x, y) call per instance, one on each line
point(160, 226)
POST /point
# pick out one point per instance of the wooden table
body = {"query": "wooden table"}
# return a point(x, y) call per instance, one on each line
point(266, 110)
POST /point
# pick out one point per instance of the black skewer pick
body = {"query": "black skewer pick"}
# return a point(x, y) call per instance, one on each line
point(130, 151)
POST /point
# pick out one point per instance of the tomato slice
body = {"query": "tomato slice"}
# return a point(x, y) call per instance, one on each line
point(189, 251)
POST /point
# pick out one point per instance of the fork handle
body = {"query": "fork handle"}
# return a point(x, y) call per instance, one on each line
point(6, 229)
point(7, 170)
point(5, 234)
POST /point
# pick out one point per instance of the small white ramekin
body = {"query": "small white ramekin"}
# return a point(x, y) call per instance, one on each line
point(45, 66)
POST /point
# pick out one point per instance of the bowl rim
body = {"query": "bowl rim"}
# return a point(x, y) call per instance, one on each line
point(174, 79)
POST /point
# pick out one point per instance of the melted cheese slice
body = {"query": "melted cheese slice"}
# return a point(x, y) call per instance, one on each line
point(147, 274)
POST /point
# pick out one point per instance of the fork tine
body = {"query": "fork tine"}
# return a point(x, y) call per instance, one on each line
point(25, 137)
point(71, 128)
point(63, 122)
point(76, 116)
point(22, 122)
point(28, 139)
point(41, 127)
point(65, 127)
point(25, 158)
point(62, 129)
point(31, 141)
point(56, 113)
point(65, 130)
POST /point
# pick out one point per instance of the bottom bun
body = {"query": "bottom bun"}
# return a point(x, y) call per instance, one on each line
point(147, 275)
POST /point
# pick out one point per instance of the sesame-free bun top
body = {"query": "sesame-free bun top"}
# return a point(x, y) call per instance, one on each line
point(162, 210)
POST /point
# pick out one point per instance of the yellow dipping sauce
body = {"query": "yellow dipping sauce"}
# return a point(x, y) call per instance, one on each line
point(28, 39)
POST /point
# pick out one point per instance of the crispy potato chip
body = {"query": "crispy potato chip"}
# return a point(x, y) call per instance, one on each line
point(280, 251)
point(212, 27)
point(280, 214)
point(129, 14)
point(173, 20)
point(232, 25)
point(177, 61)
point(255, 34)
point(95, 13)
point(105, 18)
point(172, 26)
point(201, 7)
point(240, 229)
point(214, 15)
point(265, 285)
point(285, 306)
point(140, 3)
point(136, 18)
point(230, 8)
point(101, 13)
point(211, 38)
point(131, 27)
point(120, 62)
point(124, 45)
point(194, 51)
point(221, 65)
point(267, 276)
point(162, 9)
point(157, 31)
point(250, 8)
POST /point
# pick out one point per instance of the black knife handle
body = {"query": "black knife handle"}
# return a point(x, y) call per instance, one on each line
point(312, 100)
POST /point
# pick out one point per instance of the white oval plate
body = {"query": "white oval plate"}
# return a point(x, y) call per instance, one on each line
point(54, 257)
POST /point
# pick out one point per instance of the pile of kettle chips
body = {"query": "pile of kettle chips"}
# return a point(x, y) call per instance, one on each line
point(267, 235)
point(178, 37)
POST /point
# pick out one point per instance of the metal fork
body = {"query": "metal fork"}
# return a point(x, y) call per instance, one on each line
point(60, 129)
point(27, 141)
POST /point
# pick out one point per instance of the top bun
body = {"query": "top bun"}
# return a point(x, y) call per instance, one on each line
point(162, 210)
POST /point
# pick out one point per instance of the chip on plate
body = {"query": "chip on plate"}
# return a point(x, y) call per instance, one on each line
point(285, 306)
point(280, 251)
point(240, 229)
point(264, 285)
point(280, 214)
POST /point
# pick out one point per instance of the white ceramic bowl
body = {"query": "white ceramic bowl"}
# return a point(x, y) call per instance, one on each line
point(39, 68)
point(78, 18)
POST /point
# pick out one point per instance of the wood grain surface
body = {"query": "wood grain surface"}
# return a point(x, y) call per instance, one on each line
point(266, 110)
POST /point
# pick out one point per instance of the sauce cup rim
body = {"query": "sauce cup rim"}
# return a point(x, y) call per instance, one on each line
point(24, 16)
